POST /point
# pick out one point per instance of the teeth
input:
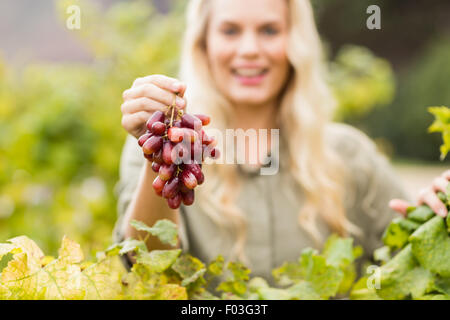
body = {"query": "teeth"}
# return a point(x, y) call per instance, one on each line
point(249, 72)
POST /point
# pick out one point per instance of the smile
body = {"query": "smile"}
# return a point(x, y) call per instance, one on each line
point(250, 76)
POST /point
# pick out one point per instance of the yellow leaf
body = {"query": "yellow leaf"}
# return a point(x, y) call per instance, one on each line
point(70, 251)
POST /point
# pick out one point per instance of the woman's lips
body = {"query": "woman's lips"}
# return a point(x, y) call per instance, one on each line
point(250, 77)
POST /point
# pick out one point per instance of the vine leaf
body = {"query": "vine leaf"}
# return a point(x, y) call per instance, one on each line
point(164, 229)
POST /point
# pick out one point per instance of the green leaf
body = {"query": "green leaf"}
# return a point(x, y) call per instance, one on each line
point(235, 287)
point(288, 273)
point(441, 124)
point(421, 214)
point(158, 260)
point(443, 285)
point(382, 254)
point(4, 261)
point(216, 266)
point(361, 291)
point(170, 291)
point(396, 236)
point(236, 281)
point(189, 268)
point(132, 245)
point(324, 278)
point(164, 229)
point(403, 277)
point(409, 225)
point(431, 246)
point(273, 294)
point(338, 251)
point(303, 291)
point(203, 295)
point(239, 271)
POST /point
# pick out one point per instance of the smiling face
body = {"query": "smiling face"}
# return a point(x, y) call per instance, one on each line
point(246, 48)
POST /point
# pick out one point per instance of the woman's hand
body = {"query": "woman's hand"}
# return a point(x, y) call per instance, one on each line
point(147, 95)
point(427, 196)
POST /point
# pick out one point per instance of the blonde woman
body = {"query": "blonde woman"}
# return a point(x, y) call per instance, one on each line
point(257, 64)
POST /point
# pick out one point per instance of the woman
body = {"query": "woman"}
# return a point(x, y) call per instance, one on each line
point(258, 64)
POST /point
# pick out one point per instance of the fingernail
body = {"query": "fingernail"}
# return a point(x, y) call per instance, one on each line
point(180, 102)
point(442, 212)
point(176, 86)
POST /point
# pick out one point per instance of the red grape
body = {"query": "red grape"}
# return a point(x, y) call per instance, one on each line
point(157, 157)
point(166, 171)
point(158, 185)
point(144, 138)
point(203, 118)
point(196, 171)
point(157, 116)
point(175, 134)
point(158, 128)
point(152, 145)
point(190, 121)
point(167, 152)
point(171, 188)
point(188, 197)
point(156, 166)
point(188, 179)
point(175, 201)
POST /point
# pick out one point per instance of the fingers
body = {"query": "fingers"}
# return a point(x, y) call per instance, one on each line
point(446, 175)
point(429, 197)
point(141, 104)
point(133, 122)
point(151, 91)
point(164, 82)
point(399, 205)
point(440, 184)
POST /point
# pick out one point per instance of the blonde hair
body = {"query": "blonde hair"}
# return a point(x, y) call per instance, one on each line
point(305, 108)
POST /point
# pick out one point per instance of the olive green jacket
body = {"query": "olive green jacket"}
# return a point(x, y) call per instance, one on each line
point(271, 204)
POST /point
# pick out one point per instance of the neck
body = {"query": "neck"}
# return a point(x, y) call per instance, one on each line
point(255, 117)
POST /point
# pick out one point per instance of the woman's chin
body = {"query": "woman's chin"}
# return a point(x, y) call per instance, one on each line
point(249, 100)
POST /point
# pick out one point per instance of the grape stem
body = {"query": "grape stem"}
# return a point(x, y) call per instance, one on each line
point(171, 117)
point(173, 106)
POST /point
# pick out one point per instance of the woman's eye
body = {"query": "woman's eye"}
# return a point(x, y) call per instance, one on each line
point(270, 31)
point(230, 31)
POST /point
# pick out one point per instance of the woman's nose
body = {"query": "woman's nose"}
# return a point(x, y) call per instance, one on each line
point(248, 46)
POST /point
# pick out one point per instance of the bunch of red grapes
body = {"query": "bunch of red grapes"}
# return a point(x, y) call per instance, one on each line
point(176, 145)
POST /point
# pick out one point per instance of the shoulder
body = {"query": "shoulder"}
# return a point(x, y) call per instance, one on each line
point(349, 141)
point(358, 152)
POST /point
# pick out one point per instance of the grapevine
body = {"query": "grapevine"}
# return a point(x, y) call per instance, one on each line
point(176, 145)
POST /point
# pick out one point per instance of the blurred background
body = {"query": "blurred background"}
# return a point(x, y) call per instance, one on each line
point(60, 97)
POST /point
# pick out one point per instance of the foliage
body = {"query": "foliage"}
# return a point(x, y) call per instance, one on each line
point(361, 81)
point(406, 120)
point(166, 274)
point(420, 269)
point(441, 124)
